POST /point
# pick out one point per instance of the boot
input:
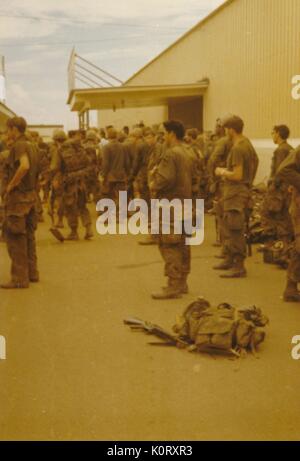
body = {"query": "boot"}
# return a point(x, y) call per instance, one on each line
point(12, 285)
point(34, 277)
point(291, 293)
point(184, 286)
point(172, 291)
point(73, 235)
point(88, 233)
point(224, 266)
point(148, 241)
point(238, 269)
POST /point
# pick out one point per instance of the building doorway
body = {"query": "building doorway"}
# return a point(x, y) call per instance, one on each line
point(189, 112)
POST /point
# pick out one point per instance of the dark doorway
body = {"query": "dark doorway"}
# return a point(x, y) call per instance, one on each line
point(189, 112)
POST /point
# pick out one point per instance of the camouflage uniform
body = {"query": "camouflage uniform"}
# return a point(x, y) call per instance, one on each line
point(236, 203)
point(173, 178)
point(20, 216)
point(115, 170)
point(289, 174)
point(56, 202)
point(139, 170)
point(92, 150)
point(218, 159)
point(72, 161)
point(276, 220)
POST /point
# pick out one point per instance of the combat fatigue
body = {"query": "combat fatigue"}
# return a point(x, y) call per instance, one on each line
point(139, 170)
point(173, 179)
point(56, 202)
point(236, 199)
point(20, 216)
point(276, 220)
point(115, 170)
point(92, 182)
point(72, 161)
point(155, 155)
point(289, 173)
point(3, 161)
point(218, 159)
point(45, 177)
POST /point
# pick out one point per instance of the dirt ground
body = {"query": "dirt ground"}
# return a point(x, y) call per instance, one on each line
point(74, 371)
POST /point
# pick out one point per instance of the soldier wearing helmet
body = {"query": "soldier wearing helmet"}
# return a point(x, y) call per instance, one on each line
point(56, 194)
point(91, 146)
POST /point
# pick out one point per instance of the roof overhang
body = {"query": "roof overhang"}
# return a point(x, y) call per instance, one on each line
point(5, 112)
point(133, 96)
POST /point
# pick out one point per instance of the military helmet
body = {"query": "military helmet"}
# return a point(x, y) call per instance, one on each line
point(59, 135)
point(91, 135)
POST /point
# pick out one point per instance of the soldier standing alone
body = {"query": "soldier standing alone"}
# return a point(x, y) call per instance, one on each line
point(20, 198)
point(173, 179)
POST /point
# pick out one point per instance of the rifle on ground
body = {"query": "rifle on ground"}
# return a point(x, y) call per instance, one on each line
point(155, 330)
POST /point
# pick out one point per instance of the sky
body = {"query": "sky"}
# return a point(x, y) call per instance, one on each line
point(37, 36)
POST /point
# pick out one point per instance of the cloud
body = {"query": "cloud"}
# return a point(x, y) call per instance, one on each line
point(18, 28)
point(101, 11)
point(37, 74)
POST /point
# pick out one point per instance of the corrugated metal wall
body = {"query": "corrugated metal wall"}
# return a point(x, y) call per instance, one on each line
point(250, 51)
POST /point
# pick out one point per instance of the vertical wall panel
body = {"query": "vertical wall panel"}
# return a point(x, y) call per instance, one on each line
point(249, 50)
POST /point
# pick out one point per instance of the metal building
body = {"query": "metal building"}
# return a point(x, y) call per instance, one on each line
point(243, 58)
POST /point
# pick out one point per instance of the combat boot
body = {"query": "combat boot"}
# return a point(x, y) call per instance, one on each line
point(88, 233)
point(34, 277)
point(172, 291)
point(149, 240)
point(291, 293)
point(13, 285)
point(238, 269)
point(73, 235)
point(224, 266)
point(183, 284)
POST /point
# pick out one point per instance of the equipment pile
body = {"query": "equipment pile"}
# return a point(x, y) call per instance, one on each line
point(203, 328)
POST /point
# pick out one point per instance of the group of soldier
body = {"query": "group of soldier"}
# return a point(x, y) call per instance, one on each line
point(163, 162)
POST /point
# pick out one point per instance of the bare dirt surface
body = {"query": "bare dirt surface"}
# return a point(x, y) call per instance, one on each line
point(74, 371)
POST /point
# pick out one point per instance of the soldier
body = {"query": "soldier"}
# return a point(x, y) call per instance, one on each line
point(172, 179)
point(45, 160)
point(153, 159)
point(72, 161)
point(19, 204)
point(138, 153)
point(217, 159)
point(200, 185)
point(276, 220)
point(115, 167)
point(4, 153)
point(57, 187)
point(92, 150)
point(289, 173)
point(238, 178)
point(140, 166)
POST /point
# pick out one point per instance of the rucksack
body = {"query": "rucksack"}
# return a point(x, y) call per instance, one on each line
point(222, 327)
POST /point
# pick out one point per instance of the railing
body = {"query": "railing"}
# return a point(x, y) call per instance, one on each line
point(92, 76)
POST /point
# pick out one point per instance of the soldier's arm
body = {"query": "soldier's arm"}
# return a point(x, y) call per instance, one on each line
point(24, 166)
point(237, 172)
point(164, 175)
point(289, 170)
